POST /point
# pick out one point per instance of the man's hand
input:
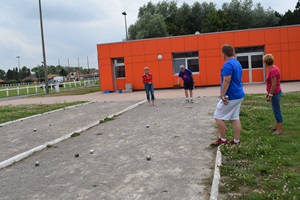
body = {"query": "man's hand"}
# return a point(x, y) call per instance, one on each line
point(224, 100)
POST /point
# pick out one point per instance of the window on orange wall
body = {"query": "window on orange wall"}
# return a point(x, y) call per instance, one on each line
point(189, 59)
point(119, 67)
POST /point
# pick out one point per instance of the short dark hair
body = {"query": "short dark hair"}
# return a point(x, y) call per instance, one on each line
point(228, 50)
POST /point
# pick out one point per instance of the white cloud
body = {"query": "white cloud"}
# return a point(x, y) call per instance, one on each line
point(73, 28)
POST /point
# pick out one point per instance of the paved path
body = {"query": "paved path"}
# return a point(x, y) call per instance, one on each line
point(178, 138)
point(140, 95)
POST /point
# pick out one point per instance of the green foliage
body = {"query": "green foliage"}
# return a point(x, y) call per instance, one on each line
point(264, 166)
point(75, 134)
point(2, 74)
point(106, 119)
point(167, 19)
point(148, 26)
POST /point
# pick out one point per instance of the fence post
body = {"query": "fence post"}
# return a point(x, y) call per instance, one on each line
point(64, 85)
point(36, 88)
point(7, 94)
point(27, 89)
point(18, 91)
point(70, 84)
point(80, 83)
point(51, 86)
point(75, 83)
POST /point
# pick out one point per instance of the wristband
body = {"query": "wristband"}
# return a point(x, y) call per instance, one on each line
point(270, 95)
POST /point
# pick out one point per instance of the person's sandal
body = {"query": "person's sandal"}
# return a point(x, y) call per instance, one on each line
point(234, 143)
point(218, 142)
point(277, 133)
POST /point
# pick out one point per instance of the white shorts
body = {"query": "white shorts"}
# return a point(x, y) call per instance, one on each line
point(231, 111)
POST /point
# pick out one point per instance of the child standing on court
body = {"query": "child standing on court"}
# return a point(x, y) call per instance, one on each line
point(147, 81)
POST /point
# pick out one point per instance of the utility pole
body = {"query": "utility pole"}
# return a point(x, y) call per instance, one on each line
point(88, 64)
point(43, 47)
point(19, 67)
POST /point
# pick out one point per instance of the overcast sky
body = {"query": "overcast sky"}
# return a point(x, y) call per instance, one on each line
point(73, 28)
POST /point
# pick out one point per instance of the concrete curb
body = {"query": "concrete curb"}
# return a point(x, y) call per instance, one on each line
point(215, 184)
point(22, 119)
point(25, 154)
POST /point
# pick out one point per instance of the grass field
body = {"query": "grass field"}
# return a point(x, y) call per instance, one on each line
point(75, 91)
point(9, 113)
point(263, 166)
point(23, 89)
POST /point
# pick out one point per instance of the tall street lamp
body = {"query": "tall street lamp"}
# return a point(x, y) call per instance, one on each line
point(43, 46)
point(124, 13)
point(19, 67)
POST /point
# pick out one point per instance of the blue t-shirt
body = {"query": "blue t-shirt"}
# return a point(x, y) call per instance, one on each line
point(233, 68)
point(186, 75)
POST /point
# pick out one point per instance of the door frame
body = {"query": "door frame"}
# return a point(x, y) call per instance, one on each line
point(250, 64)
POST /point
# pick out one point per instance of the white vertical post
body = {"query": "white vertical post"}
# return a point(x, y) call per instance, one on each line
point(18, 91)
point(75, 85)
point(27, 89)
point(51, 86)
point(36, 88)
point(64, 85)
point(80, 83)
point(7, 94)
point(70, 84)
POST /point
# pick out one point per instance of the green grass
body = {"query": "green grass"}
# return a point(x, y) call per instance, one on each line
point(264, 166)
point(75, 91)
point(9, 113)
point(68, 87)
point(75, 134)
point(106, 119)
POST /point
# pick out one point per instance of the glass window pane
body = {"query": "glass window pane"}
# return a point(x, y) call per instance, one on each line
point(257, 61)
point(118, 60)
point(193, 65)
point(185, 54)
point(176, 65)
point(120, 71)
point(244, 61)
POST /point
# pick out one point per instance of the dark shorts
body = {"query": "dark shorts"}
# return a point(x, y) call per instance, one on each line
point(188, 85)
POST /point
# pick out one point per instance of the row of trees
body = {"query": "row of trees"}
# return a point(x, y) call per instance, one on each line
point(167, 19)
point(16, 75)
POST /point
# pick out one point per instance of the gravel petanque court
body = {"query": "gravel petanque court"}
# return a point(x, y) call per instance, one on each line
point(177, 140)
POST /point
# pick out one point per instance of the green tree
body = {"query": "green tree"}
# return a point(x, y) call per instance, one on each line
point(10, 75)
point(183, 19)
point(2, 74)
point(25, 72)
point(148, 26)
point(63, 72)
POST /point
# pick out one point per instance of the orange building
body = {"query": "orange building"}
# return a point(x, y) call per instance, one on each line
point(123, 63)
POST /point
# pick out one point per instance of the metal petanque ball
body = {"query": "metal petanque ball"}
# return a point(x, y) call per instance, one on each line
point(37, 163)
point(148, 157)
point(76, 155)
point(91, 151)
point(34, 129)
point(147, 126)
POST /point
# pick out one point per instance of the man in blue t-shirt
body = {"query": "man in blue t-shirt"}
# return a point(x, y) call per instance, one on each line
point(188, 82)
point(231, 97)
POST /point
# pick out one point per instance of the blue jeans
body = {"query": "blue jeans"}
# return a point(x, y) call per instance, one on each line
point(275, 103)
point(149, 89)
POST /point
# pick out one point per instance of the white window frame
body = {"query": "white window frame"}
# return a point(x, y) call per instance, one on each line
point(185, 63)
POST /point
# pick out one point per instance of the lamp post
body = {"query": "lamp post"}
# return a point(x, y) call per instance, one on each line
point(19, 67)
point(124, 13)
point(43, 47)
